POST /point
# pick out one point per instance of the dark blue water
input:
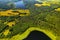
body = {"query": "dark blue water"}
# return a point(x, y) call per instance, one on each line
point(9, 4)
point(15, 4)
point(37, 35)
point(20, 4)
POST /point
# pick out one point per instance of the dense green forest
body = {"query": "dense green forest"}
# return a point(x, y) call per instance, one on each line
point(44, 17)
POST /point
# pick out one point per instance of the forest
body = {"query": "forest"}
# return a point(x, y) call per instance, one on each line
point(44, 17)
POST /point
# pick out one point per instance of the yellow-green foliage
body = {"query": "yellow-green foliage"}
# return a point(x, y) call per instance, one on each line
point(10, 13)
